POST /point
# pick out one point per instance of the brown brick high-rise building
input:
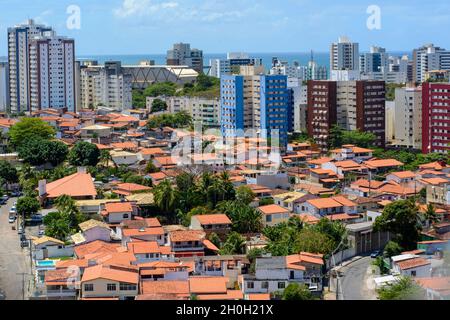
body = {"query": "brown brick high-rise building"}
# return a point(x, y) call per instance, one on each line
point(353, 105)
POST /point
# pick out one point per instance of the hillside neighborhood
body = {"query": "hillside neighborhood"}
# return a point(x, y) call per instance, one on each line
point(107, 212)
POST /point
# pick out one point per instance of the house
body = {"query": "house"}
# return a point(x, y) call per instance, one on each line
point(351, 152)
point(165, 162)
point(127, 189)
point(147, 251)
point(165, 270)
point(93, 206)
point(411, 265)
point(230, 266)
point(95, 247)
point(342, 168)
point(79, 186)
point(144, 234)
point(187, 243)
point(93, 230)
point(123, 157)
point(287, 200)
point(157, 177)
point(59, 284)
point(432, 246)
point(382, 166)
point(401, 177)
point(219, 224)
point(116, 212)
point(96, 130)
point(437, 288)
point(148, 154)
point(109, 282)
point(276, 273)
point(212, 288)
point(274, 214)
point(328, 206)
point(164, 290)
point(48, 247)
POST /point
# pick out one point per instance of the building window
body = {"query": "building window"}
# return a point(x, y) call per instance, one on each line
point(413, 273)
point(111, 287)
point(127, 287)
point(281, 285)
point(250, 285)
point(89, 287)
point(125, 216)
point(265, 285)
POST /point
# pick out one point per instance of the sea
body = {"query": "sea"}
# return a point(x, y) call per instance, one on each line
point(321, 58)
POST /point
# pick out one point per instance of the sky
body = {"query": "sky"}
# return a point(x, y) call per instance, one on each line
point(218, 26)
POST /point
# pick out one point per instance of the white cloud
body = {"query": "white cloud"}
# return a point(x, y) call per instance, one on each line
point(131, 8)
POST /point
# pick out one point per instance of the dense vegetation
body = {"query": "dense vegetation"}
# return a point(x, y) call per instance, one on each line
point(177, 120)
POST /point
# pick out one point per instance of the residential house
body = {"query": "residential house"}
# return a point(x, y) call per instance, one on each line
point(274, 214)
point(116, 212)
point(48, 247)
point(411, 265)
point(219, 224)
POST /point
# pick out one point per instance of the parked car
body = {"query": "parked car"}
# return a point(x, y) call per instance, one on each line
point(41, 232)
point(12, 219)
point(5, 197)
point(16, 194)
point(24, 243)
point(12, 211)
point(36, 218)
point(20, 231)
point(375, 254)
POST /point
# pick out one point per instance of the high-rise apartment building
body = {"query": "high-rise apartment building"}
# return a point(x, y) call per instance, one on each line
point(259, 102)
point(52, 72)
point(344, 55)
point(232, 64)
point(429, 58)
point(106, 85)
point(41, 69)
point(182, 55)
point(408, 117)
point(19, 38)
point(4, 87)
point(435, 117)
point(374, 61)
point(353, 105)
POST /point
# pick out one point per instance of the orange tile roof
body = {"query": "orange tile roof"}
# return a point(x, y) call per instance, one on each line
point(81, 263)
point(143, 232)
point(158, 175)
point(132, 187)
point(309, 219)
point(210, 219)
point(186, 235)
point(272, 209)
point(440, 284)
point(433, 165)
point(404, 174)
point(102, 272)
point(342, 217)
point(165, 287)
point(434, 181)
point(125, 145)
point(152, 151)
point(383, 163)
point(75, 185)
point(123, 118)
point(95, 247)
point(210, 246)
point(259, 296)
point(229, 295)
point(57, 277)
point(208, 285)
point(117, 207)
point(413, 263)
point(320, 161)
point(142, 247)
point(325, 203)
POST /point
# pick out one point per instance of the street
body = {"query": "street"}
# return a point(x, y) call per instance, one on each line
point(357, 281)
point(14, 261)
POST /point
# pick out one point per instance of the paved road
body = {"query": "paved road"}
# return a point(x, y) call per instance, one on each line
point(13, 259)
point(357, 282)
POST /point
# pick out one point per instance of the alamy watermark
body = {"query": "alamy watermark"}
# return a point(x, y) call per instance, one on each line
point(374, 19)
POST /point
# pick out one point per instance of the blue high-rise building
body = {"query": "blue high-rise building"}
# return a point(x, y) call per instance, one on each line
point(255, 102)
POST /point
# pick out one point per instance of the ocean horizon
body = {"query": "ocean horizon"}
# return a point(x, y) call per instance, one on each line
point(322, 58)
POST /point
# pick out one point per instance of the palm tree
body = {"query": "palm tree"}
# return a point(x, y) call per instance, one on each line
point(165, 196)
point(430, 215)
point(105, 157)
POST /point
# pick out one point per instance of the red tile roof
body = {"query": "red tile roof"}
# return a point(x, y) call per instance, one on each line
point(75, 185)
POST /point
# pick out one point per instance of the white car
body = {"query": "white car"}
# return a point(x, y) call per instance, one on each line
point(12, 211)
point(12, 219)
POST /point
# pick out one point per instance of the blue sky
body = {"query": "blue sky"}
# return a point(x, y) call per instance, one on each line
point(216, 26)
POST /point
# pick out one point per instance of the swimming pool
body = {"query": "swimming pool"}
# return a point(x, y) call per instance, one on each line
point(45, 263)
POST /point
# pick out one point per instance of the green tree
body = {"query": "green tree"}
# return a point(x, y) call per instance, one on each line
point(215, 240)
point(403, 289)
point(158, 105)
point(245, 219)
point(26, 206)
point(245, 195)
point(8, 173)
point(84, 154)
point(70, 212)
point(430, 215)
point(56, 226)
point(336, 137)
point(401, 218)
point(358, 138)
point(27, 128)
point(310, 240)
point(38, 151)
point(166, 197)
point(235, 244)
point(105, 158)
point(161, 89)
point(392, 249)
point(295, 291)
point(151, 168)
